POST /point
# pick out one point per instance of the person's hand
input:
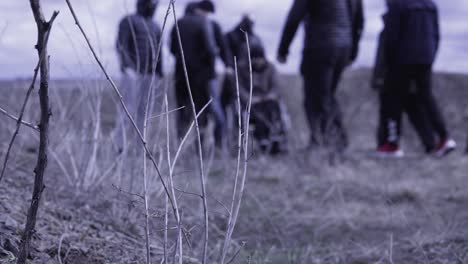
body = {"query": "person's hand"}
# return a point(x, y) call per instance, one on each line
point(282, 58)
point(229, 71)
point(256, 99)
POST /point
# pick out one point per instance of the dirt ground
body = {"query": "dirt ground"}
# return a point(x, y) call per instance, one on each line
point(301, 208)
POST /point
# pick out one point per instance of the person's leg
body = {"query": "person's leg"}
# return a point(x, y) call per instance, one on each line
point(277, 129)
point(218, 112)
point(420, 121)
point(336, 130)
point(124, 132)
point(317, 97)
point(259, 120)
point(383, 111)
point(423, 80)
point(147, 84)
point(182, 101)
point(397, 86)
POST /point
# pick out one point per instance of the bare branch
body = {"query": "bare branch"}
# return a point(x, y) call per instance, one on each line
point(14, 118)
point(200, 148)
point(167, 112)
point(43, 29)
point(245, 144)
point(19, 120)
point(122, 103)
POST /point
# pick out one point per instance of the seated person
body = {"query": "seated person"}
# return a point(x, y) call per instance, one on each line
point(267, 113)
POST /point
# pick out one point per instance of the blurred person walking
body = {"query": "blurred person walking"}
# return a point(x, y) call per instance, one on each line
point(332, 33)
point(137, 45)
point(412, 107)
point(237, 45)
point(411, 39)
point(200, 50)
point(267, 113)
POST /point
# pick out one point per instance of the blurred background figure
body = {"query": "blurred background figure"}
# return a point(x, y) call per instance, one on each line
point(137, 45)
point(412, 107)
point(237, 45)
point(226, 57)
point(200, 51)
point(332, 33)
point(411, 39)
point(267, 114)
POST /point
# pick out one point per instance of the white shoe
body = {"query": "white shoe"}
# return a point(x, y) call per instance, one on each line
point(445, 147)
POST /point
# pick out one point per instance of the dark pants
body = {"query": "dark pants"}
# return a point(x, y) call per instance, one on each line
point(324, 116)
point(270, 129)
point(417, 118)
point(398, 96)
point(202, 91)
point(201, 96)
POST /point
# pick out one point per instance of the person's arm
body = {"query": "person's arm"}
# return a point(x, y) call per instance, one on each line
point(173, 42)
point(437, 28)
point(295, 17)
point(209, 39)
point(392, 31)
point(123, 43)
point(274, 82)
point(225, 53)
point(358, 27)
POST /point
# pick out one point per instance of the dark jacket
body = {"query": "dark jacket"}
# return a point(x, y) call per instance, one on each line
point(222, 45)
point(411, 32)
point(198, 44)
point(265, 81)
point(237, 43)
point(137, 44)
point(328, 27)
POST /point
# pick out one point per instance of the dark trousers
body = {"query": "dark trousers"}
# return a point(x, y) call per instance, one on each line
point(270, 129)
point(398, 96)
point(416, 116)
point(324, 116)
point(202, 91)
point(201, 96)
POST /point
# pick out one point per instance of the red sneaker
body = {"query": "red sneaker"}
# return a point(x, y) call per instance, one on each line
point(388, 150)
point(445, 147)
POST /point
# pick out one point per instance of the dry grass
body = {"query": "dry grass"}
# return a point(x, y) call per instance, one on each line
point(297, 209)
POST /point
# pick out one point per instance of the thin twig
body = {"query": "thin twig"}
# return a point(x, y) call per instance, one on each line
point(200, 148)
point(236, 254)
point(235, 213)
point(167, 112)
point(122, 103)
point(227, 240)
point(14, 118)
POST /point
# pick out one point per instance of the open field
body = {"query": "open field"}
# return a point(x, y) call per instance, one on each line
point(300, 208)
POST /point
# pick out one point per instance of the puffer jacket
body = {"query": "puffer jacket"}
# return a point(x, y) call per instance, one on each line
point(328, 27)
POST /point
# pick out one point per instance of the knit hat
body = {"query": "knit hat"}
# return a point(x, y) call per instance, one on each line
point(207, 5)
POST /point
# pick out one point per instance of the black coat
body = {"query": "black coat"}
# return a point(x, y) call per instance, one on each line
point(137, 44)
point(328, 27)
point(199, 46)
point(411, 32)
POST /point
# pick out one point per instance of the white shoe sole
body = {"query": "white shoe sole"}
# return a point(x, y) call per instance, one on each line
point(448, 148)
point(390, 155)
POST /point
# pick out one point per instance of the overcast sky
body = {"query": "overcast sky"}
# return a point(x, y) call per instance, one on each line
point(70, 57)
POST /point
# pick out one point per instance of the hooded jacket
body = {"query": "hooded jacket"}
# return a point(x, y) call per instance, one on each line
point(236, 39)
point(411, 32)
point(198, 44)
point(137, 44)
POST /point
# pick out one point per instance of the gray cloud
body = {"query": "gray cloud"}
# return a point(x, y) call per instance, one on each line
point(70, 57)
